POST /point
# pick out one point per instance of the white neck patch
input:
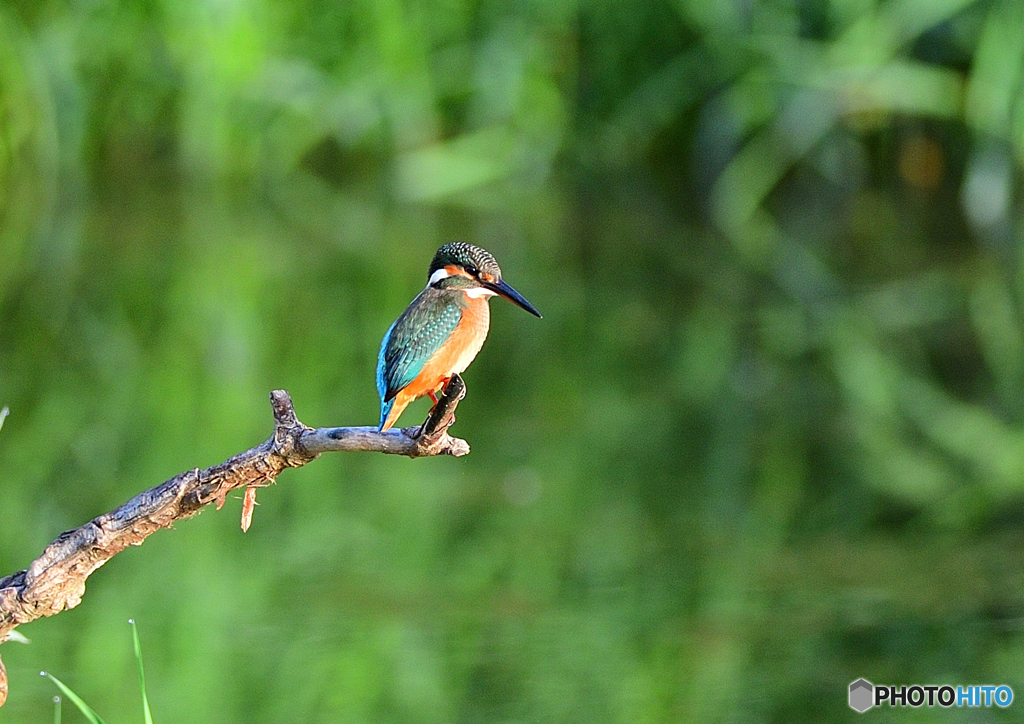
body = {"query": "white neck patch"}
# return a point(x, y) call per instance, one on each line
point(437, 276)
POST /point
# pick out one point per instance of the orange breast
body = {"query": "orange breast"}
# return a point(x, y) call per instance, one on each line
point(455, 354)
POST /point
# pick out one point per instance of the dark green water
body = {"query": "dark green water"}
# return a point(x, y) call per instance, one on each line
point(767, 439)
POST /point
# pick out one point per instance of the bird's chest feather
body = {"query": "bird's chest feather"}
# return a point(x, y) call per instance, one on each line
point(470, 334)
point(465, 342)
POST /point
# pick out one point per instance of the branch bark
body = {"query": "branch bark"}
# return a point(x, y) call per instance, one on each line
point(55, 581)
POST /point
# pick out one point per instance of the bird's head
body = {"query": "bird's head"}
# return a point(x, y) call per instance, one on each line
point(459, 265)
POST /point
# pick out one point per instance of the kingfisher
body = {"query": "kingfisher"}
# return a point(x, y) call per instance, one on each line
point(442, 329)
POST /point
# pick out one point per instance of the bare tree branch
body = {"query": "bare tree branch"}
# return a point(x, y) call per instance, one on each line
point(55, 581)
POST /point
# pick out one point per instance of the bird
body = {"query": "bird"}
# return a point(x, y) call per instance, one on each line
point(442, 329)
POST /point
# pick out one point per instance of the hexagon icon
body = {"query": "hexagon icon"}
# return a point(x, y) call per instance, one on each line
point(862, 694)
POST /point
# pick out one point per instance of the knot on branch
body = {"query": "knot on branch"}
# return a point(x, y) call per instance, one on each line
point(288, 432)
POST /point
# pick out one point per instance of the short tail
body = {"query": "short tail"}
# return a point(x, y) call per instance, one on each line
point(385, 412)
point(391, 410)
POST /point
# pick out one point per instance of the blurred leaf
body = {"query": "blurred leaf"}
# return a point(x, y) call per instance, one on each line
point(457, 166)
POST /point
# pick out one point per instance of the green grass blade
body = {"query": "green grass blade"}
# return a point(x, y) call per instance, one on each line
point(4, 412)
point(86, 710)
point(142, 673)
point(56, 710)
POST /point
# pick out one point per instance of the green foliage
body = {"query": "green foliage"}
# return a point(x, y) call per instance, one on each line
point(148, 716)
point(767, 439)
point(86, 710)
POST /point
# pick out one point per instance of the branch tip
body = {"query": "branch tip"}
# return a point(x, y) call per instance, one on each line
point(443, 415)
point(284, 410)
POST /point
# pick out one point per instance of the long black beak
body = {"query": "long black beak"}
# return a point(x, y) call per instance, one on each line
point(505, 289)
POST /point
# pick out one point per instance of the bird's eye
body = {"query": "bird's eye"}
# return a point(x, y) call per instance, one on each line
point(472, 270)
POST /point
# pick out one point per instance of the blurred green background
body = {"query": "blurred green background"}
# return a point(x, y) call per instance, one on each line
point(768, 438)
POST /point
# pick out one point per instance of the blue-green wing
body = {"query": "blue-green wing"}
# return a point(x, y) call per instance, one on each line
point(414, 338)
